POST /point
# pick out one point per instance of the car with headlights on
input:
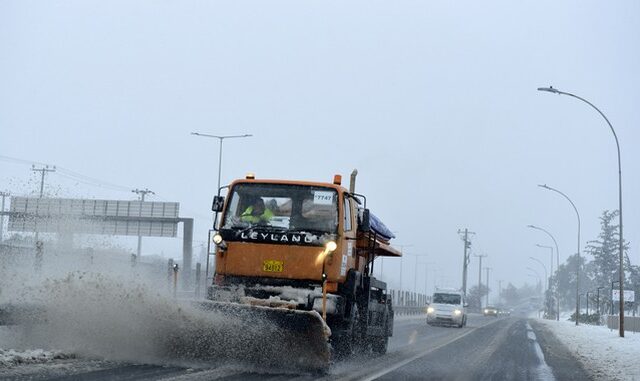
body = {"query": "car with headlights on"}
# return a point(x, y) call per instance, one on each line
point(490, 311)
point(448, 307)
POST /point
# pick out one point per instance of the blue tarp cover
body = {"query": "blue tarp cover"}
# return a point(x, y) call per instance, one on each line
point(379, 227)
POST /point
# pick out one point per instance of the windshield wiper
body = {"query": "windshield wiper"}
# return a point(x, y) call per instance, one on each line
point(269, 228)
point(312, 231)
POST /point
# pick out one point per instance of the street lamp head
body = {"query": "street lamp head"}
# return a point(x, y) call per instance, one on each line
point(545, 186)
point(549, 89)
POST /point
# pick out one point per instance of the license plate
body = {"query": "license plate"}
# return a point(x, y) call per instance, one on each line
point(273, 266)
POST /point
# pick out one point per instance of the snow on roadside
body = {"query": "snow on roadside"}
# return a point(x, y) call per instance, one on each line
point(10, 357)
point(599, 349)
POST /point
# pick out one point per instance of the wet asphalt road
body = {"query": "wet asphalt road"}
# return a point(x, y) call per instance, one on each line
point(487, 349)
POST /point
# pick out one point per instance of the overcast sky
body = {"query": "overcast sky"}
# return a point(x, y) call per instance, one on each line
point(434, 102)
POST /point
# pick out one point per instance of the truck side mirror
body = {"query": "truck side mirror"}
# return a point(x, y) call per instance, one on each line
point(218, 203)
point(365, 222)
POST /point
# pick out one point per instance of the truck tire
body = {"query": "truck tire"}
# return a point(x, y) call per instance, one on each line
point(344, 344)
point(379, 345)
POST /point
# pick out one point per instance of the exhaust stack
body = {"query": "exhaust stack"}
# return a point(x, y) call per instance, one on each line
point(352, 182)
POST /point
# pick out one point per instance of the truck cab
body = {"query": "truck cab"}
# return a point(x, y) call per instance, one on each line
point(448, 307)
point(306, 246)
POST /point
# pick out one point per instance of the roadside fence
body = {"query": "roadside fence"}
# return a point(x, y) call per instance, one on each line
point(631, 323)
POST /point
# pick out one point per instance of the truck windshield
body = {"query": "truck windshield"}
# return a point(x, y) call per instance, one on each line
point(446, 298)
point(282, 207)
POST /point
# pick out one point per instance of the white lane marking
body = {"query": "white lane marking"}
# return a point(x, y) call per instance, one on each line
point(421, 354)
point(544, 372)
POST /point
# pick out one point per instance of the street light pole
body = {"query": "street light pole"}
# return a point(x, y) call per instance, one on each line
point(401, 258)
point(578, 253)
point(480, 279)
point(415, 274)
point(535, 272)
point(221, 139)
point(557, 267)
point(488, 269)
point(543, 266)
point(426, 272)
point(550, 261)
point(621, 243)
point(547, 297)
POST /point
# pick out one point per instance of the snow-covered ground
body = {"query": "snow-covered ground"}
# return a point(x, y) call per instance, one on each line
point(9, 357)
point(600, 350)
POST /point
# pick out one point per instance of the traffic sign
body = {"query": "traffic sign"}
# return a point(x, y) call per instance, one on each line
point(629, 295)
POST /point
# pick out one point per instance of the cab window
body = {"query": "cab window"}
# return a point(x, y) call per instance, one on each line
point(347, 215)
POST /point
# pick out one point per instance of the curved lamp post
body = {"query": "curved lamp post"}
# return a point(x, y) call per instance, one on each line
point(550, 89)
point(543, 266)
point(578, 253)
point(557, 267)
point(221, 139)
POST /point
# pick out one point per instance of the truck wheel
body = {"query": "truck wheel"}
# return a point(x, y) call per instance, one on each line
point(379, 345)
point(344, 344)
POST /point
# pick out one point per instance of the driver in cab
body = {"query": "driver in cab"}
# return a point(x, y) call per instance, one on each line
point(257, 213)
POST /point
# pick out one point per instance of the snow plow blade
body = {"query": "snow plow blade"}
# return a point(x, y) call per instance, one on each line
point(266, 336)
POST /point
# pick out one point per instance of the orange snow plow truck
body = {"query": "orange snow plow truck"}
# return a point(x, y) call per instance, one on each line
point(301, 255)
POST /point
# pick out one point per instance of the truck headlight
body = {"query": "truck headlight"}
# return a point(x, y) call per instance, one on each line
point(486, 311)
point(457, 312)
point(217, 239)
point(430, 310)
point(331, 246)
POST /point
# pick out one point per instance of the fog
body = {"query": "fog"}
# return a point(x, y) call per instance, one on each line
point(434, 103)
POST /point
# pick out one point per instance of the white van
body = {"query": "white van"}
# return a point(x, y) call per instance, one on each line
point(448, 307)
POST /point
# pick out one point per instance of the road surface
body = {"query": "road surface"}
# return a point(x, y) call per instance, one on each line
point(489, 348)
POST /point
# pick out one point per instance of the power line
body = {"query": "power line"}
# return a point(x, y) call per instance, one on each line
point(69, 174)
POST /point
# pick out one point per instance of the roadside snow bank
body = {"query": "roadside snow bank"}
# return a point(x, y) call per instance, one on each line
point(600, 350)
point(10, 357)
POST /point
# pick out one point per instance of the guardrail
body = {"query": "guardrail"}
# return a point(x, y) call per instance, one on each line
point(405, 310)
point(631, 323)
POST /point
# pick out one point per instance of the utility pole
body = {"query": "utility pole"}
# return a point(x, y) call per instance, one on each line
point(39, 246)
point(480, 278)
point(142, 193)
point(42, 171)
point(3, 195)
point(465, 258)
point(487, 268)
